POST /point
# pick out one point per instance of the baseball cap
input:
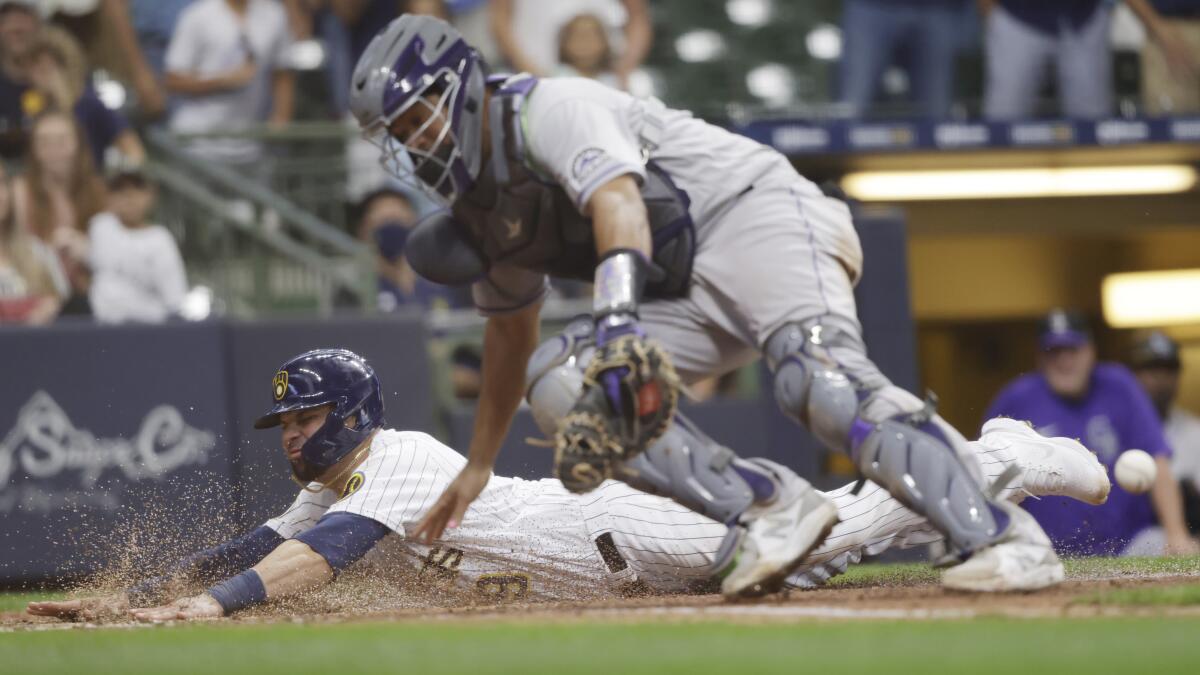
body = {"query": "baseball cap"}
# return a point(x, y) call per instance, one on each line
point(1154, 348)
point(1063, 328)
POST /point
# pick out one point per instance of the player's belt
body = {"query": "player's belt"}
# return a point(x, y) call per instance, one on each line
point(608, 551)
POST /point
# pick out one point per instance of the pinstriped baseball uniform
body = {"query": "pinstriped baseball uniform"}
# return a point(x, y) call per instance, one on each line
point(533, 539)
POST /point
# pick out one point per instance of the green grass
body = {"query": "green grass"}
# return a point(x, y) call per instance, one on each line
point(908, 574)
point(686, 646)
point(979, 646)
point(1158, 596)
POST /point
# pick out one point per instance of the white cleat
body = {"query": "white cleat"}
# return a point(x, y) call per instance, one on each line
point(1024, 560)
point(1050, 467)
point(778, 535)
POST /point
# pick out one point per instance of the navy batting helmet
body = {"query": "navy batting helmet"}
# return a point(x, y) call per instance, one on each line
point(337, 377)
point(404, 66)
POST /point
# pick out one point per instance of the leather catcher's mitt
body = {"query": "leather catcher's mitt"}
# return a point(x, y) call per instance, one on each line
point(630, 394)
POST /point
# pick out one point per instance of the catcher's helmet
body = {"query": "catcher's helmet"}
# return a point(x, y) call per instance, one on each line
point(406, 65)
point(322, 377)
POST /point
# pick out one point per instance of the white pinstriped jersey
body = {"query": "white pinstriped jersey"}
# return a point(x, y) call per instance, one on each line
point(533, 539)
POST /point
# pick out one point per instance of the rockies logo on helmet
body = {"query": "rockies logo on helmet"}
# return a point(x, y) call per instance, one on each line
point(336, 377)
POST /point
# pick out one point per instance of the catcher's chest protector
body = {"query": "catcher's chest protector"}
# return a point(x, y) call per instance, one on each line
point(516, 217)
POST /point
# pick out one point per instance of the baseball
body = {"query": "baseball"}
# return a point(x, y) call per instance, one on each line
point(1135, 471)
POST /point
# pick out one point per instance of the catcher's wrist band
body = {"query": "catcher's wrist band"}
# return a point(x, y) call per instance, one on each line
point(239, 592)
point(620, 280)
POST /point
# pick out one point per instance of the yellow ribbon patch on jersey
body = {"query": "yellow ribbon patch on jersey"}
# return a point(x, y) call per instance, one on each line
point(279, 385)
point(352, 485)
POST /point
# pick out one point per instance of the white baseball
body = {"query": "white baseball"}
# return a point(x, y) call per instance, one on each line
point(1135, 471)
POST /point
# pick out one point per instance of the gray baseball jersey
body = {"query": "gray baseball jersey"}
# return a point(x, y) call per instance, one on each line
point(770, 247)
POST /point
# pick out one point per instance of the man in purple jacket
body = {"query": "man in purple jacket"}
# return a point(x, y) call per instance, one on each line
point(1102, 405)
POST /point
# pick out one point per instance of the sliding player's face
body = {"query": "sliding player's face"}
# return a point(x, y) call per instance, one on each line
point(297, 427)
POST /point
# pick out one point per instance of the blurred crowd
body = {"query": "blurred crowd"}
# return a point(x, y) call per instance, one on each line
point(1029, 47)
point(80, 80)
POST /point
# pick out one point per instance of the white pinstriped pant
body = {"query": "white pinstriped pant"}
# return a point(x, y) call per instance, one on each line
point(670, 547)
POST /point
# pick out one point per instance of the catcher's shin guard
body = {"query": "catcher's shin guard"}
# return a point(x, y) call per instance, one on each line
point(824, 380)
point(683, 464)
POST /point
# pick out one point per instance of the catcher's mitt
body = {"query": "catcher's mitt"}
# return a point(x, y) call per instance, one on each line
point(630, 393)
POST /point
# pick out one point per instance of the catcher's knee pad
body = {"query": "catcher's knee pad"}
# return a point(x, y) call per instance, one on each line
point(554, 375)
point(694, 470)
point(811, 386)
point(894, 438)
point(912, 457)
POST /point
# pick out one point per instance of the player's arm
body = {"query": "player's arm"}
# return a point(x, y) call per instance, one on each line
point(314, 558)
point(508, 342)
point(619, 218)
point(507, 39)
point(203, 567)
point(1168, 506)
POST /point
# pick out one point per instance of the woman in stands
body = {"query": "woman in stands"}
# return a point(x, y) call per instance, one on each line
point(57, 196)
point(31, 281)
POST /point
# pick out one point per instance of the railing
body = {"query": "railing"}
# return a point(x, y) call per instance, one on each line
point(255, 246)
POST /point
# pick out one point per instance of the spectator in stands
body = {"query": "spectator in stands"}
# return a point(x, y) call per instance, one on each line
point(57, 75)
point(1023, 37)
point(347, 26)
point(1103, 406)
point(1171, 57)
point(153, 23)
point(877, 31)
point(1156, 363)
point(584, 51)
point(527, 32)
point(32, 283)
point(57, 195)
point(386, 217)
point(49, 71)
point(226, 62)
point(20, 26)
point(105, 29)
point(137, 272)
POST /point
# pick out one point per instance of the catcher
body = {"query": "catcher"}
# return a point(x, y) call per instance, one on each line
point(366, 486)
point(702, 239)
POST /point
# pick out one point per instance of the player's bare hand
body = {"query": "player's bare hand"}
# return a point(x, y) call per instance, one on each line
point(85, 609)
point(202, 606)
point(450, 507)
point(1182, 545)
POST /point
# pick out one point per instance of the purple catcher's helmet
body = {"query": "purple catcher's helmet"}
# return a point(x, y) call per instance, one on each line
point(423, 61)
point(322, 377)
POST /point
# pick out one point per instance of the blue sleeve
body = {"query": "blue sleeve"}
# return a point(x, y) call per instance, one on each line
point(1144, 429)
point(211, 564)
point(101, 124)
point(343, 538)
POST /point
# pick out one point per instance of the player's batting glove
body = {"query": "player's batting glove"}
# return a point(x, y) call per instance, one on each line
point(630, 394)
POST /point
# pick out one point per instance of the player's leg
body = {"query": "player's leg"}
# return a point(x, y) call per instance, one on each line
point(775, 516)
point(790, 264)
point(1085, 68)
point(1016, 56)
point(671, 548)
point(1011, 456)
